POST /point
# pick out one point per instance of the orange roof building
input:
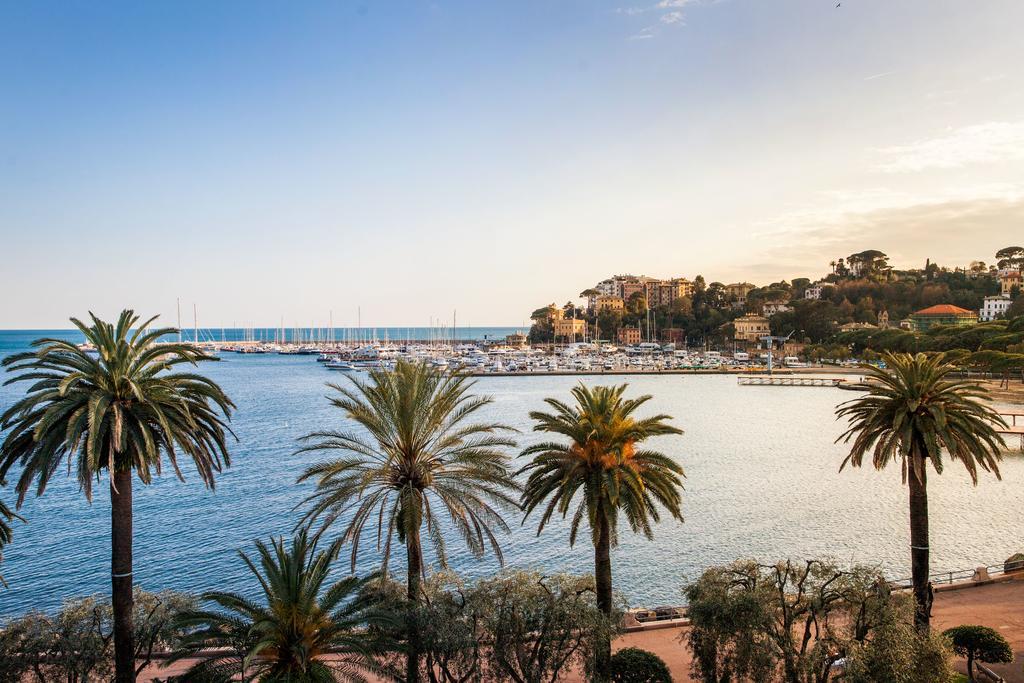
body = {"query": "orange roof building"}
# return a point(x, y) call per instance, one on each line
point(942, 314)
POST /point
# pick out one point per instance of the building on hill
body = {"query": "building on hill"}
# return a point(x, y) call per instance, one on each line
point(815, 291)
point(631, 287)
point(609, 302)
point(770, 308)
point(570, 328)
point(738, 291)
point(942, 314)
point(994, 307)
point(629, 335)
point(883, 319)
point(850, 327)
point(750, 328)
point(665, 292)
point(656, 292)
point(1008, 279)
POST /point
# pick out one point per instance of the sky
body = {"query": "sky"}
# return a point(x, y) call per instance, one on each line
point(272, 161)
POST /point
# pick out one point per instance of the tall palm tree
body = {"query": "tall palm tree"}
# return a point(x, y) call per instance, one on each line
point(301, 631)
point(914, 413)
point(421, 456)
point(120, 411)
point(601, 460)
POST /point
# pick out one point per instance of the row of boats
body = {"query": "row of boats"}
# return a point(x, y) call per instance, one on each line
point(576, 358)
point(493, 359)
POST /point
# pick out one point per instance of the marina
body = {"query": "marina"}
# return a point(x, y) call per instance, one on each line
point(800, 507)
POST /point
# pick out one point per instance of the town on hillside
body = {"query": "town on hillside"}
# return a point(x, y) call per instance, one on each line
point(862, 305)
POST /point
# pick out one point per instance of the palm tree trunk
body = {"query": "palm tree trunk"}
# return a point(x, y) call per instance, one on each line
point(121, 575)
point(603, 580)
point(919, 563)
point(414, 554)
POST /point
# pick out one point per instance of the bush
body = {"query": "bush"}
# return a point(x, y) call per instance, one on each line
point(979, 644)
point(897, 653)
point(633, 665)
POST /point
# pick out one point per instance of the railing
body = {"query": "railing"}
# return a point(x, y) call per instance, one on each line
point(958, 575)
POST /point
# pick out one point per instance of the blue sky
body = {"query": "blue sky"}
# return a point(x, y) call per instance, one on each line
point(285, 159)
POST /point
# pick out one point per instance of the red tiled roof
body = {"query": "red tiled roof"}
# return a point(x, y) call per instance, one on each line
point(944, 309)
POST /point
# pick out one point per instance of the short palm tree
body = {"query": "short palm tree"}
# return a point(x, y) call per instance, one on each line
point(421, 456)
point(913, 413)
point(601, 461)
point(302, 630)
point(120, 411)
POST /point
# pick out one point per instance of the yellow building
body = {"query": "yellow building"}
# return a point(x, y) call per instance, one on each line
point(629, 335)
point(738, 290)
point(1008, 280)
point(568, 328)
point(610, 303)
point(750, 328)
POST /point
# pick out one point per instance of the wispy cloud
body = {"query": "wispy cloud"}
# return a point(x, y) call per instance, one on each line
point(995, 141)
point(645, 33)
point(669, 13)
point(879, 75)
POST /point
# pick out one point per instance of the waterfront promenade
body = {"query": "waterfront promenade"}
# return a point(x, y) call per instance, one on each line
point(999, 605)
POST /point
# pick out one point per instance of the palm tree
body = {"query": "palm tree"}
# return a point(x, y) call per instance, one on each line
point(121, 411)
point(914, 413)
point(302, 631)
point(601, 461)
point(6, 533)
point(422, 457)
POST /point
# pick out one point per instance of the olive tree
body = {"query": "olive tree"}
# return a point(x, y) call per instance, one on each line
point(979, 644)
point(518, 626)
point(75, 645)
point(789, 621)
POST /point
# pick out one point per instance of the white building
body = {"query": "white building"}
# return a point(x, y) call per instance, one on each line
point(994, 307)
point(770, 309)
point(816, 290)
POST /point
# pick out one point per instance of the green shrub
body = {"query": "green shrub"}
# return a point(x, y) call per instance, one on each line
point(897, 653)
point(633, 665)
point(979, 644)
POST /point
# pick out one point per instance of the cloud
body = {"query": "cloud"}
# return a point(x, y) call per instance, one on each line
point(881, 75)
point(951, 228)
point(996, 141)
point(670, 13)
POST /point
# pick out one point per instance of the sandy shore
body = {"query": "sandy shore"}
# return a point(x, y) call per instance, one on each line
point(998, 605)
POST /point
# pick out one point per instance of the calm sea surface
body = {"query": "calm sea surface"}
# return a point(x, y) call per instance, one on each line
point(762, 482)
